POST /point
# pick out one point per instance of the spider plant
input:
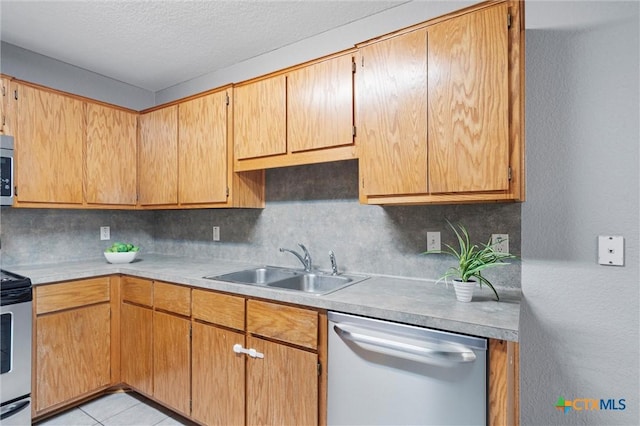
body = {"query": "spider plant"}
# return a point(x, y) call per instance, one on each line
point(473, 259)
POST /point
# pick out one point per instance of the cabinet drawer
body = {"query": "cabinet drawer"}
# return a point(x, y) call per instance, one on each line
point(137, 290)
point(71, 294)
point(219, 308)
point(285, 323)
point(172, 298)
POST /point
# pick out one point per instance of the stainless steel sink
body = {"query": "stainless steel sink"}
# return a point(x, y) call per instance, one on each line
point(317, 283)
point(262, 275)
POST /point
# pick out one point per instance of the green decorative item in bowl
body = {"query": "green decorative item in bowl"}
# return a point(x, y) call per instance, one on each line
point(121, 253)
point(472, 259)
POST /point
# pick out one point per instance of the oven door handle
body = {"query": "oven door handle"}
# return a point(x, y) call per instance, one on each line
point(15, 408)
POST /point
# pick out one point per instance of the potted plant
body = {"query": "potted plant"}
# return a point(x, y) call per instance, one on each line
point(472, 259)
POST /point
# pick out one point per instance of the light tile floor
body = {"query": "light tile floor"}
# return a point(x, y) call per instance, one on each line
point(117, 409)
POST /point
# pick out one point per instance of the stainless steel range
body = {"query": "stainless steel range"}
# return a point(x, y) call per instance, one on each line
point(15, 379)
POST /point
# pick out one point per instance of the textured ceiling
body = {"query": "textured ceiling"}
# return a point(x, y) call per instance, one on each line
point(155, 44)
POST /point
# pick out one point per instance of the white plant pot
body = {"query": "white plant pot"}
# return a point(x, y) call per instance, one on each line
point(464, 290)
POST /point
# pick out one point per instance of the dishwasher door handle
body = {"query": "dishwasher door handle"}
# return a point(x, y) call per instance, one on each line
point(449, 353)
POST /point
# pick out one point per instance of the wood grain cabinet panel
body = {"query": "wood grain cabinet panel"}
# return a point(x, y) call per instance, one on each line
point(392, 115)
point(172, 298)
point(172, 361)
point(320, 105)
point(7, 114)
point(73, 354)
point(110, 156)
point(72, 294)
point(285, 323)
point(220, 309)
point(260, 118)
point(203, 149)
point(136, 347)
point(218, 376)
point(469, 102)
point(137, 290)
point(158, 157)
point(48, 147)
point(282, 387)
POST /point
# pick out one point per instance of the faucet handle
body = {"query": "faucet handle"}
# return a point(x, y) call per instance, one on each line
point(334, 264)
point(307, 257)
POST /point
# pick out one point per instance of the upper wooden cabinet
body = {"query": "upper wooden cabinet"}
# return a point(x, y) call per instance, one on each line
point(301, 115)
point(48, 147)
point(158, 157)
point(260, 118)
point(185, 155)
point(6, 106)
point(110, 156)
point(202, 153)
point(469, 102)
point(320, 105)
point(392, 115)
point(440, 110)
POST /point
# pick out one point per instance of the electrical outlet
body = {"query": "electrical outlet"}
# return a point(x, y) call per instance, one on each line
point(433, 241)
point(611, 250)
point(500, 242)
point(216, 233)
point(105, 233)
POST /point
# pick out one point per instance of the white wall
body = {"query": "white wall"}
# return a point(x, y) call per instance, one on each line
point(30, 66)
point(579, 324)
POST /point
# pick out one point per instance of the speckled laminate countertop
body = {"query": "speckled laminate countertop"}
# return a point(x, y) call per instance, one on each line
point(409, 301)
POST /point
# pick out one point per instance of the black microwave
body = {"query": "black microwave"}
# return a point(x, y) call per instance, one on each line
point(6, 170)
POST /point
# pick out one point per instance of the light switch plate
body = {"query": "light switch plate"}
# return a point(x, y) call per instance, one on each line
point(611, 250)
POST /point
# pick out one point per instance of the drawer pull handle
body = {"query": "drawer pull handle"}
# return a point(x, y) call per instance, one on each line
point(237, 348)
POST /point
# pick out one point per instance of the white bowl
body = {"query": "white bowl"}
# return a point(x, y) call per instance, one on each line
point(121, 257)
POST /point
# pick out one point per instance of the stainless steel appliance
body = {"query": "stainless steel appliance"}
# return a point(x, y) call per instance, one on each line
point(15, 352)
point(6, 170)
point(383, 373)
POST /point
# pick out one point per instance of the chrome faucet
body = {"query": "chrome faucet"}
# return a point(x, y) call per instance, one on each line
point(306, 260)
point(334, 264)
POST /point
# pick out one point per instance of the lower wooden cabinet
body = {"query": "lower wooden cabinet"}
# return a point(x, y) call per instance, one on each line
point(172, 361)
point(218, 378)
point(136, 337)
point(73, 354)
point(282, 387)
point(72, 333)
point(175, 345)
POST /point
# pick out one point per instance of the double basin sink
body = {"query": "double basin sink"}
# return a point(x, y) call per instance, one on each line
point(314, 282)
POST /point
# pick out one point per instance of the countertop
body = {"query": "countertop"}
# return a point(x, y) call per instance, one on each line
point(410, 301)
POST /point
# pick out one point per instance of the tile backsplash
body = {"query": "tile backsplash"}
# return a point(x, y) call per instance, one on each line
point(315, 205)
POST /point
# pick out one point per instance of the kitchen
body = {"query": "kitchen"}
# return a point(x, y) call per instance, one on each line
point(388, 240)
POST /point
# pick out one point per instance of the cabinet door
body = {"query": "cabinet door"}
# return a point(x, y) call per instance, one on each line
point(136, 361)
point(6, 110)
point(48, 143)
point(260, 118)
point(282, 387)
point(73, 354)
point(392, 115)
point(158, 156)
point(319, 94)
point(203, 149)
point(110, 156)
point(172, 361)
point(469, 102)
point(218, 376)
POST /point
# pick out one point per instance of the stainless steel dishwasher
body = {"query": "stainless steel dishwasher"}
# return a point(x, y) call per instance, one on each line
point(384, 373)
